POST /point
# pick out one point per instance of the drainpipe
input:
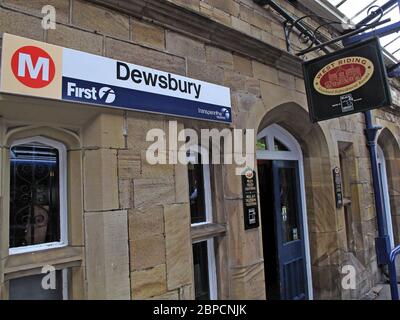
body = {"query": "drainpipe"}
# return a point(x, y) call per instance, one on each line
point(382, 242)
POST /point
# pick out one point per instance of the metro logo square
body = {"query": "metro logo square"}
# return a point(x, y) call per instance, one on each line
point(33, 67)
point(30, 67)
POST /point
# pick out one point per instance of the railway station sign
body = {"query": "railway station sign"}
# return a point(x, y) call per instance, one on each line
point(38, 69)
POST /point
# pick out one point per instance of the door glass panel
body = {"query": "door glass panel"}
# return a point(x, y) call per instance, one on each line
point(289, 205)
point(201, 276)
point(34, 195)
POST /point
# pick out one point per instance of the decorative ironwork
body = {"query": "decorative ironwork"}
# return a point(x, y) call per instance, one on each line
point(34, 214)
point(310, 38)
point(377, 12)
point(306, 37)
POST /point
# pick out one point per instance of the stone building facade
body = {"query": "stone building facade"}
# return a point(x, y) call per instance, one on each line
point(128, 222)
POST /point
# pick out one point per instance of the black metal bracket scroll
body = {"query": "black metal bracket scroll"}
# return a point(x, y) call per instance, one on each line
point(311, 38)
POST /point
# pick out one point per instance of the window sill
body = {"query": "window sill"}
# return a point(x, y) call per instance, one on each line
point(30, 263)
point(36, 248)
point(206, 231)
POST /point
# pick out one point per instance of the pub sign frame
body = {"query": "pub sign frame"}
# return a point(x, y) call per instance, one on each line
point(347, 81)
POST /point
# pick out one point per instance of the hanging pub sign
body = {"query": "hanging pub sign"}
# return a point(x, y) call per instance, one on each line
point(347, 81)
point(38, 69)
point(250, 200)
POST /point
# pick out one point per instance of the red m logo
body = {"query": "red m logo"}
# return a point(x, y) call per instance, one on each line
point(33, 67)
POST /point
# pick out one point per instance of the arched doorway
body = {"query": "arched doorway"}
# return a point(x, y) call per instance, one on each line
point(284, 215)
point(383, 181)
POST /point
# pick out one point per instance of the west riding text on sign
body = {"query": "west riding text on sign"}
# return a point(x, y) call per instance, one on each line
point(33, 68)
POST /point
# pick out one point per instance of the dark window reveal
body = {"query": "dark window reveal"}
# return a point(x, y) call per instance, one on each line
point(34, 195)
point(201, 276)
point(279, 146)
point(30, 288)
point(262, 144)
point(196, 193)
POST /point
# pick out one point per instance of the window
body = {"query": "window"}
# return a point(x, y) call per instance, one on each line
point(262, 144)
point(205, 281)
point(204, 270)
point(37, 195)
point(273, 144)
point(196, 193)
point(279, 146)
point(199, 192)
point(30, 287)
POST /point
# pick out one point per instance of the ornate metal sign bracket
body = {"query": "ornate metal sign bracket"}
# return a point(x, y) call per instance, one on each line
point(309, 39)
point(350, 34)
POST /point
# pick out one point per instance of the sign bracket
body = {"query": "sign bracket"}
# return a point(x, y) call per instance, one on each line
point(343, 37)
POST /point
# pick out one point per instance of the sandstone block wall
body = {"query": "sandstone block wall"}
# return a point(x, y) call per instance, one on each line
point(135, 249)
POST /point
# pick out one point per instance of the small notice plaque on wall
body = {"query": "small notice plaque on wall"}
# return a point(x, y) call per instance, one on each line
point(250, 200)
point(337, 180)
